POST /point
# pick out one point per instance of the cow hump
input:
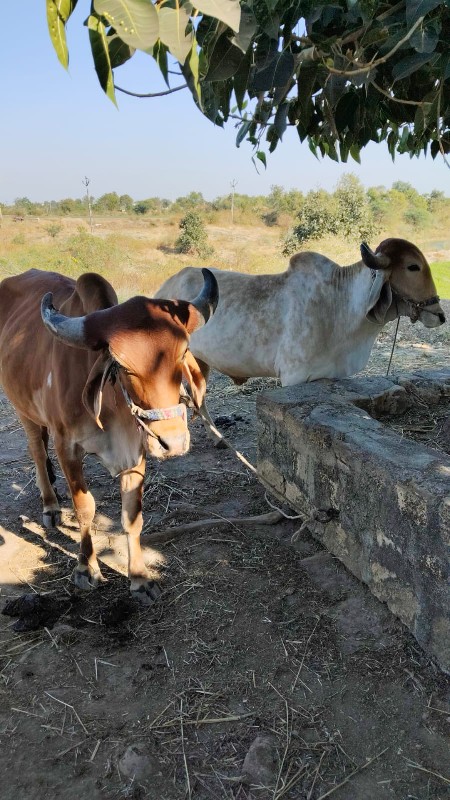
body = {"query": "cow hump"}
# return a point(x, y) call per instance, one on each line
point(91, 293)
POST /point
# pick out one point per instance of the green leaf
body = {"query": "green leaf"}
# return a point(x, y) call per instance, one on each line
point(419, 122)
point(411, 64)
point(135, 21)
point(276, 73)
point(426, 37)
point(280, 121)
point(419, 8)
point(243, 130)
point(172, 31)
point(100, 53)
point(346, 110)
point(354, 152)
point(191, 72)
point(224, 60)
point(119, 52)
point(160, 55)
point(240, 80)
point(261, 156)
point(228, 11)
point(247, 28)
point(58, 12)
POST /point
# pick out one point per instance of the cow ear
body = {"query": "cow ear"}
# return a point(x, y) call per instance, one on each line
point(379, 303)
point(196, 320)
point(193, 375)
point(93, 391)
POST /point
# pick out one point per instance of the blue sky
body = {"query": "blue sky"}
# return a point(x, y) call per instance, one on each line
point(58, 127)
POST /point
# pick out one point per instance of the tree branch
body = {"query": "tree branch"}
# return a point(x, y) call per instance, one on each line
point(396, 99)
point(382, 60)
point(152, 94)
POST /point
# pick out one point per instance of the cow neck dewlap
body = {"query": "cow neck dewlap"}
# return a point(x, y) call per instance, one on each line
point(360, 287)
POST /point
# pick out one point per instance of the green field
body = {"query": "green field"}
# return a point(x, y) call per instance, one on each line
point(441, 275)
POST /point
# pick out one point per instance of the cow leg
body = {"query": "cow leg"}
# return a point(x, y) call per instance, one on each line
point(38, 442)
point(216, 438)
point(49, 465)
point(143, 588)
point(87, 574)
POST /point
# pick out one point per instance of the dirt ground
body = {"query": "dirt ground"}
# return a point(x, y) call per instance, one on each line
point(265, 670)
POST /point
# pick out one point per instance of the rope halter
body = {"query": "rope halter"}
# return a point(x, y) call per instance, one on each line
point(416, 308)
point(142, 416)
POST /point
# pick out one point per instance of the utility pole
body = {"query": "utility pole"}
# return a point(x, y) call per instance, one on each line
point(86, 183)
point(233, 185)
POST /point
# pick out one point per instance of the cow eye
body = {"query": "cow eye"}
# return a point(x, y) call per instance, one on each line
point(414, 268)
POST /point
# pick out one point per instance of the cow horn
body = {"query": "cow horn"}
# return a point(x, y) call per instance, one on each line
point(206, 301)
point(374, 260)
point(69, 330)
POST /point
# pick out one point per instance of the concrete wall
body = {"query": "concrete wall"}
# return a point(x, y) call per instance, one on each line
point(387, 498)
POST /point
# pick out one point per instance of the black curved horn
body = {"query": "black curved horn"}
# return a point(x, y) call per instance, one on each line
point(206, 301)
point(69, 330)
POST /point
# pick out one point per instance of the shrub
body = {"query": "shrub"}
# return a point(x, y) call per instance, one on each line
point(346, 213)
point(354, 215)
point(317, 217)
point(290, 244)
point(193, 238)
point(270, 218)
point(87, 253)
point(53, 229)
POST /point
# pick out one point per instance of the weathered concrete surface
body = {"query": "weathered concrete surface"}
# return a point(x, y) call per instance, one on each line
point(388, 497)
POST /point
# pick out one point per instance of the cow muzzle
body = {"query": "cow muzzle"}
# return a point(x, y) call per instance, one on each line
point(429, 312)
point(163, 446)
point(165, 431)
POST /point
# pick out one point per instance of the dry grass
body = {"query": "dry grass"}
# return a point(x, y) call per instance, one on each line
point(137, 254)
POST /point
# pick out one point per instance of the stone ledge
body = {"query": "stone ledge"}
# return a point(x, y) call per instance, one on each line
point(320, 449)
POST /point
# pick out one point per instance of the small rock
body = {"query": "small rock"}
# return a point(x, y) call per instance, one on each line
point(260, 763)
point(137, 763)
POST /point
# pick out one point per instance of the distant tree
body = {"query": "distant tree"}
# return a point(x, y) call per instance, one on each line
point(126, 203)
point(193, 238)
point(318, 217)
point(24, 206)
point(69, 206)
point(405, 188)
point(285, 202)
point(436, 201)
point(141, 207)
point(339, 74)
point(416, 212)
point(347, 213)
point(157, 204)
point(191, 200)
point(353, 215)
point(380, 203)
point(108, 202)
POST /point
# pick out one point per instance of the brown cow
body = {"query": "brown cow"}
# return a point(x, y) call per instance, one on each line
point(102, 378)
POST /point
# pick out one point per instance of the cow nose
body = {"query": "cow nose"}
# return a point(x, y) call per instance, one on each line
point(441, 318)
point(174, 445)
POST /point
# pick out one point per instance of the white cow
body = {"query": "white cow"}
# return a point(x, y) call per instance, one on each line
point(316, 320)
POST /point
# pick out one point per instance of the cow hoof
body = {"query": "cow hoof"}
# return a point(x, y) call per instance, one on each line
point(147, 593)
point(51, 519)
point(85, 579)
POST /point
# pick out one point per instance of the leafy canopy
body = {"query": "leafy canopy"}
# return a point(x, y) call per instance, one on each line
point(340, 72)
